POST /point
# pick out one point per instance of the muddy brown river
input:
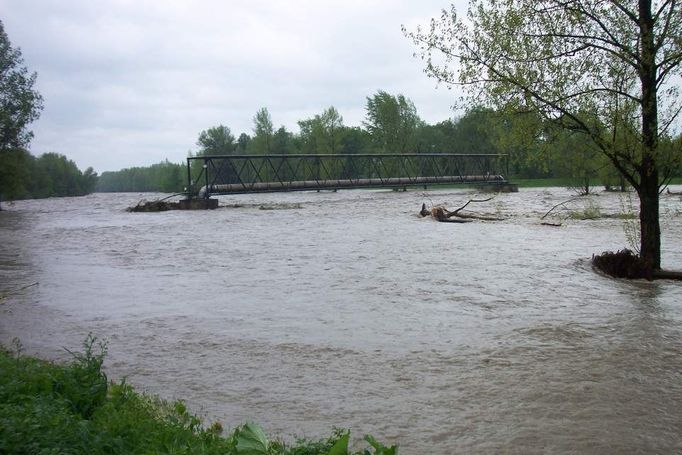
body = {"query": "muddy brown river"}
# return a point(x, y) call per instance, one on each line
point(305, 311)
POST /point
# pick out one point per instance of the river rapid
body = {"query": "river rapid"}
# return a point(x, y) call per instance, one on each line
point(305, 311)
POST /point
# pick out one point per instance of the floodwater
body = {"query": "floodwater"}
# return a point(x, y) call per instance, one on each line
point(305, 311)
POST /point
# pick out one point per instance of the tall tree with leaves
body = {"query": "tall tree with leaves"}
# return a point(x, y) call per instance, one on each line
point(20, 103)
point(322, 133)
point(311, 135)
point(392, 121)
point(604, 68)
point(332, 125)
point(263, 131)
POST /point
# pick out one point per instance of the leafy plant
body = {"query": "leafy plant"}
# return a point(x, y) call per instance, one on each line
point(341, 446)
point(84, 384)
point(251, 440)
point(380, 449)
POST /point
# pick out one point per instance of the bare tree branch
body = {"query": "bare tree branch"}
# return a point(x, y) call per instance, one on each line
point(558, 205)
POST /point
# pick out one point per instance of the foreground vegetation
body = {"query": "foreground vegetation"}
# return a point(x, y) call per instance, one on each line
point(73, 409)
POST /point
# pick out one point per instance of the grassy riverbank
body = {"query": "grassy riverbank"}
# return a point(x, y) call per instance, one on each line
point(563, 183)
point(542, 183)
point(73, 409)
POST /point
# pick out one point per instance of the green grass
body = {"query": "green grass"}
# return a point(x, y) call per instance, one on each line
point(542, 183)
point(49, 408)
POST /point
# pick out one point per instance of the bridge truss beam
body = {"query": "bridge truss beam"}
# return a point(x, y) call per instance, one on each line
point(234, 174)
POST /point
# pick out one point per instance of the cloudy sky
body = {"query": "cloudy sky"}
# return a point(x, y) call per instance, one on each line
point(134, 82)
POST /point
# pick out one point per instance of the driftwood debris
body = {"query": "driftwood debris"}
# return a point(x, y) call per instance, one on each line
point(456, 216)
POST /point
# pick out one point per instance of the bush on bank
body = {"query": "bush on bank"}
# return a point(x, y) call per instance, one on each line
point(51, 408)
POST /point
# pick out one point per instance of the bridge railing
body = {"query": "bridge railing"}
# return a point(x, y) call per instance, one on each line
point(231, 174)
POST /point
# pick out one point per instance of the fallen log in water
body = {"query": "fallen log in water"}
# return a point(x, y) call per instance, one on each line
point(445, 216)
point(442, 215)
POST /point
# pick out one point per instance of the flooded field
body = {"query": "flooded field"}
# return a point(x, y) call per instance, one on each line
point(305, 311)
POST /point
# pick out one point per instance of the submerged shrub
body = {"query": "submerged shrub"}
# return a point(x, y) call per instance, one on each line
point(592, 211)
point(623, 264)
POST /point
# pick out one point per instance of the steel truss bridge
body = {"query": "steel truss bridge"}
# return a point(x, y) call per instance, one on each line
point(234, 174)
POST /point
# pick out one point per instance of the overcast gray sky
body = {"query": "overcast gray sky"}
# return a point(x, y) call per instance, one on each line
point(133, 82)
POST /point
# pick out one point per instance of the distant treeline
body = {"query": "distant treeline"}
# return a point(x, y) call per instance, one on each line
point(163, 177)
point(536, 148)
point(24, 176)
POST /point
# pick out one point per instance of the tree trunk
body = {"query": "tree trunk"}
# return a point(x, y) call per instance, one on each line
point(650, 246)
point(648, 170)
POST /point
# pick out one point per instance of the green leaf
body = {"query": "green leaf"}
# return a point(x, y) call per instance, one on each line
point(251, 440)
point(341, 446)
point(379, 448)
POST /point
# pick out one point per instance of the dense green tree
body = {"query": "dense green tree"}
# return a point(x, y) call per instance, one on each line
point(90, 179)
point(16, 167)
point(475, 132)
point(616, 61)
point(217, 140)
point(170, 178)
point(524, 136)
point(434, 138)
point(355, 140)
point(243, 143)
point(391, 121)
point(50, 175)
point(282, 141)
point(282, 144)
point(20, 103)
point(62, 175)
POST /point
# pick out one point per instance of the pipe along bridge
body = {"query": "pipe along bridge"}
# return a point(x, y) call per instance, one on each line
point(234, 174)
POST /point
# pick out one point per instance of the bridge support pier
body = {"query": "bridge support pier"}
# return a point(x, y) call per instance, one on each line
point(198, 204)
